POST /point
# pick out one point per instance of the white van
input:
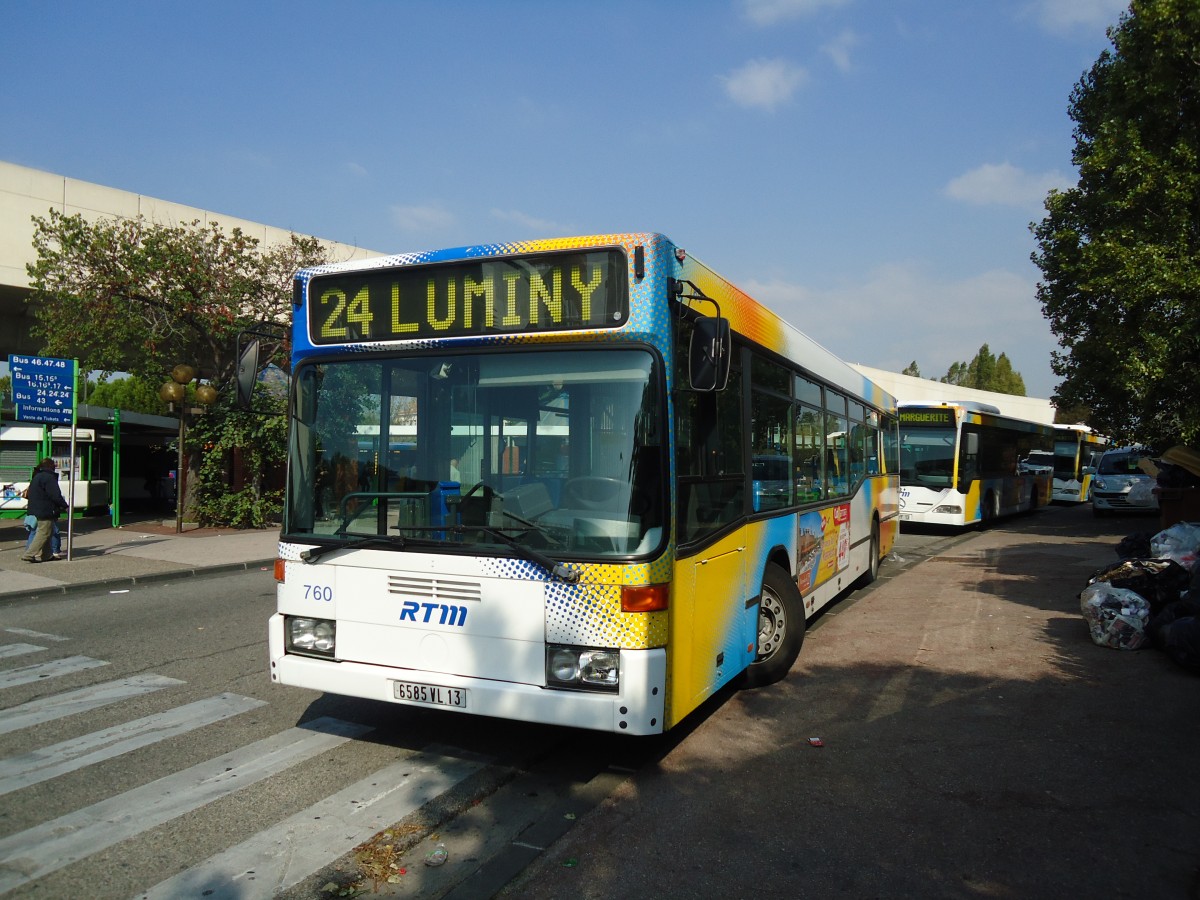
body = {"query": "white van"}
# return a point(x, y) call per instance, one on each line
point(1116, 474)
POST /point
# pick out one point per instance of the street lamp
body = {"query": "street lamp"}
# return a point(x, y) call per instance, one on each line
point(173, 393)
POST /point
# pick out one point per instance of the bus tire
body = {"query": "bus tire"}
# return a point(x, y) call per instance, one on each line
point(869, 576)
point(991, 509)
point(780, 628)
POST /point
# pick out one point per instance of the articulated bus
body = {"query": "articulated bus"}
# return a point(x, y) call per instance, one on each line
point(1076, 453)
point(581, 481)
point(960, 464)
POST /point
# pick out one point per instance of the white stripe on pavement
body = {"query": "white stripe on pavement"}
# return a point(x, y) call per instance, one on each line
point(41, 636)
point(285, 854)
point(7, 651)
point(38, 851)
point(52, 669)
point(38, 712)
point(19, 772)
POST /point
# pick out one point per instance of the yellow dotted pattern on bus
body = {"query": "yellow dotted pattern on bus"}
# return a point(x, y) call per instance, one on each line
point(589, 613)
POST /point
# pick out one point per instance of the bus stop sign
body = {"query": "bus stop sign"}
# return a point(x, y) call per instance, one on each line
point(43, 388)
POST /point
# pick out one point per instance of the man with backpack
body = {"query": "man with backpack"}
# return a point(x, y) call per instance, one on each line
point(45, 503)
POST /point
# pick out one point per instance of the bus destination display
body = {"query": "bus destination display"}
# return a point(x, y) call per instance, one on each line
point(551, 292)
point(938, 417)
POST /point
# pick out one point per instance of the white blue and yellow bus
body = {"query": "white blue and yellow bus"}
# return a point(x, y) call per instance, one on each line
point(581, 481)
point(1077, 451)
point(960, 464)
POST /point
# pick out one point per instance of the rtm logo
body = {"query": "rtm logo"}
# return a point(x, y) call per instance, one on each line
point(451, 615)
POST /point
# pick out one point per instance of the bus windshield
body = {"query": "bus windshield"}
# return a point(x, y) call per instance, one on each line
point(927, 457)
point(559, 452)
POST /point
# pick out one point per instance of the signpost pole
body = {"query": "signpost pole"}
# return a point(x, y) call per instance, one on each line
point(74, 474)
point(115, 494)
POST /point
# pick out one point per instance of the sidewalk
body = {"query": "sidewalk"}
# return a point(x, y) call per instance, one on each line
point(144, 550)
point(973, 742)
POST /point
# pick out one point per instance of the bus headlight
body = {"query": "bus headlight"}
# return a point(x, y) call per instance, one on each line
point(949, 508)
point(310, 637)
point(583, 668)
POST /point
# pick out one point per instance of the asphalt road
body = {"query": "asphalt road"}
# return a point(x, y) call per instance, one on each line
point(975, 744)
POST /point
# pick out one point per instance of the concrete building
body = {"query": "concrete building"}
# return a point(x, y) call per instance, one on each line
point(908, 389)
point(143, 475)
point(25, 193)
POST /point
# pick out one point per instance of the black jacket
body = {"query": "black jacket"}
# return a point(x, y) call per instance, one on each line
point(45, 499)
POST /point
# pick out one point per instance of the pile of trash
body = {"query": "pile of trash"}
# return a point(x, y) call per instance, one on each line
point(1152, 596)
point(1179, 467)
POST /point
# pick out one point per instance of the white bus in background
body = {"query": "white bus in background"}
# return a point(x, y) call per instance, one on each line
point(1077, 451)
point(960, 464)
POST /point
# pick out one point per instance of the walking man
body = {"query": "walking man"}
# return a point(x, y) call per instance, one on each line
point(45, 503)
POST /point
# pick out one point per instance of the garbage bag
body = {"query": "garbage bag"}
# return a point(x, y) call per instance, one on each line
point(1180, 542)
point(1136, 545)
point(1162, 620)
point(1161, 581)
point(1142, 495)
point(1181, 641)
point(1116, 617)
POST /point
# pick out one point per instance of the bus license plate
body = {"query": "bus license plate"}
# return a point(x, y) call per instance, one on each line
point(432, 694)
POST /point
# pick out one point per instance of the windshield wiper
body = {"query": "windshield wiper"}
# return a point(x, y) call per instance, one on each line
point(556, 569)
point(391, 542)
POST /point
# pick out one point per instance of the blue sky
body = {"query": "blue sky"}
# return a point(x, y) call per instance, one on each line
point(867, 167)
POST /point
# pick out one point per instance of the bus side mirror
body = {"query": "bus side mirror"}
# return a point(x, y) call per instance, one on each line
point(247, 372)
point(709, 354)
point(972, 442)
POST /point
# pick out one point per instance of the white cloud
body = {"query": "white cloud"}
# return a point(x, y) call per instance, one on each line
point(764, 83)
point(768, 12)
point(358, 171)
point(839, 50)
point(904, 312)
point(1004, 184)
point(540, 227)
point(421, 218)
point(1062, 16)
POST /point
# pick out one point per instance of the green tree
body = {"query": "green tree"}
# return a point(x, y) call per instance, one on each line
point(986, 372)
point(1120, 251)
point(912, 369)
point(241, 449)
point(128, 295)
point(132, 394)
point(1072, 415)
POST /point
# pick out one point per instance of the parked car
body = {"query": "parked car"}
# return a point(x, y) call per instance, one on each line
point(1117, 474)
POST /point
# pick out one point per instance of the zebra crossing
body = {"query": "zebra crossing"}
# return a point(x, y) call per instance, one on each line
point(260, 866)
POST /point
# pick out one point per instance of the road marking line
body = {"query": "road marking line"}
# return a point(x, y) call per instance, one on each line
point(285, 854)
point(19, 772)
point(38, 851)
point(7, 651)
point(41, 636)
point(38, 712)
point(51, 669)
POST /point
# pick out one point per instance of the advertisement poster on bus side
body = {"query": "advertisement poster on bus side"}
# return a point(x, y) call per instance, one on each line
point(823, 545)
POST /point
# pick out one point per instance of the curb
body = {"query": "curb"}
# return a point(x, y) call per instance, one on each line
point(13, 597)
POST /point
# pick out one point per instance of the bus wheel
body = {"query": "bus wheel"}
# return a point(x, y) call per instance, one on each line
point(869, 576)
point(991, 508)
point(780, 628)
